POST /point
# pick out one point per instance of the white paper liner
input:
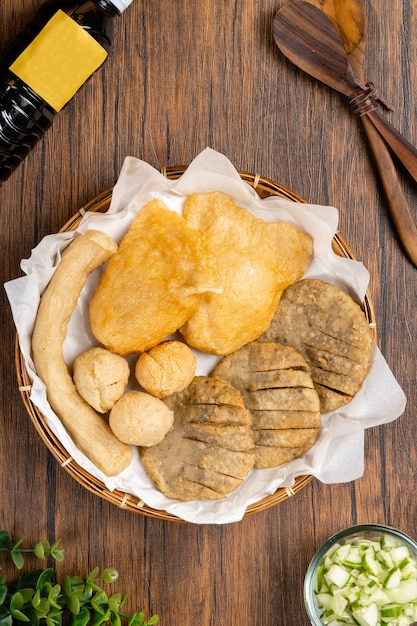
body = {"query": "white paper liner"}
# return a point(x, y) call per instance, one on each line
point(337, 456)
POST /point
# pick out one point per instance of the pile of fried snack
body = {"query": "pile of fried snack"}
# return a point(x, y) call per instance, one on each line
point(229, 284)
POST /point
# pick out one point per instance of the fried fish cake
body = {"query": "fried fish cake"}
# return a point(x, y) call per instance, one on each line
point(101, 377)
point(154, 282)
point(278, 392)
point(166, 369)
point(330, 330)
point(209, 450)
point(256, 260)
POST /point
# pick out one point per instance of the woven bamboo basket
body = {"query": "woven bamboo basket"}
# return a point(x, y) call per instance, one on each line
point(265, 188)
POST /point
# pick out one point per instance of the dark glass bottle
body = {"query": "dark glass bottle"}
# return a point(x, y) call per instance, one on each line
point(45, 65)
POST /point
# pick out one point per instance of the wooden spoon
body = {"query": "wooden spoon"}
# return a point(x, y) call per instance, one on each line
point(348, 17)
point(309, 39)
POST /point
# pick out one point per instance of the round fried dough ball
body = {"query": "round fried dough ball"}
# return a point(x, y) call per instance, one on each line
point(100, 377)
point(166, 369)
point(140, 419)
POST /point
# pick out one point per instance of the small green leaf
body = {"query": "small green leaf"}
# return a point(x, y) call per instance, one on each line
point(54, 590)
point(154, 620)
point(54, 618)
point(27, 595)
point(92, 577)
point(36, 599)
point(72, 583)
point(17, 558)
point(123, 599)
point(44, 577)
point(43, 608)
point(46, 589)
point(41, 549)
point(100, 619)
point(16, 601)
point(136, 618)
point(110, 575)
point(82, 618)
point(67, 586)
point(115, 602)
point(5, 538)
point(73, 603)
point(99, 600)
point(18, 543)
point(57, 553)
point(98, 608)
point(88, 591)
point(19, 616)
point(115, 620)
point(3, 593)
point(53, 596)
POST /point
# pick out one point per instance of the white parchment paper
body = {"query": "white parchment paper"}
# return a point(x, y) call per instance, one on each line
point(337, 456)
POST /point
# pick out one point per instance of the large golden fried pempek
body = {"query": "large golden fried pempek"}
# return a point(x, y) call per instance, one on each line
point(153, 283)
point(257, 261)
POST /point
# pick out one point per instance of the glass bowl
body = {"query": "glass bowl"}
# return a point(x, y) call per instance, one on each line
point(362, 576)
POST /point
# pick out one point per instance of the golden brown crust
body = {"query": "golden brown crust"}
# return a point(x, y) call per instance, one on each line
point(256, 260)
point(140, 419)
point(100, 377)
point(330, 330)
point(166, 369)
point(153, 284)
point(88, 429)
point(208, 451)
point(278, 392)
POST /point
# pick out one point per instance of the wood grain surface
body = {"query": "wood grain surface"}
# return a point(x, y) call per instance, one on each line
point(182, 76)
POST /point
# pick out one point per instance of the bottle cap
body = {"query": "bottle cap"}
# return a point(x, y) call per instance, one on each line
point(121, 5)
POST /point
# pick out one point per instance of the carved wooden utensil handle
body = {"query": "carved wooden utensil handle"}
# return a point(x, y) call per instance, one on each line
point(397, 202)
point(364, 103)
point(401, 147)
point(382, 136)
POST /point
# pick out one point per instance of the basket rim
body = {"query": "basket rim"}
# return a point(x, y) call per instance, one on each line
point(265, 187)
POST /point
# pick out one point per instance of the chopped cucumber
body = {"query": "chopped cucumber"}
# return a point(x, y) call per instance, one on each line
point(400, 553)
point(388, 542)
point(368, 583)
point(370, 563)
point(393, 579)
point(392, 610)
point(325, 600)
point(338, 575)
point(403, 564)
point(385, 558)
point(366, 616)
point(341, 553)
point(378, 595)
point(353, 557)
point(405, 591)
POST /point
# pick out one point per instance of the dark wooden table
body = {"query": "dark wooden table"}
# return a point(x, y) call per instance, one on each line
point(182, 76)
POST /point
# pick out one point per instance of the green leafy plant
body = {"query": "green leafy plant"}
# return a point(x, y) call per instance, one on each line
point(36, 598)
